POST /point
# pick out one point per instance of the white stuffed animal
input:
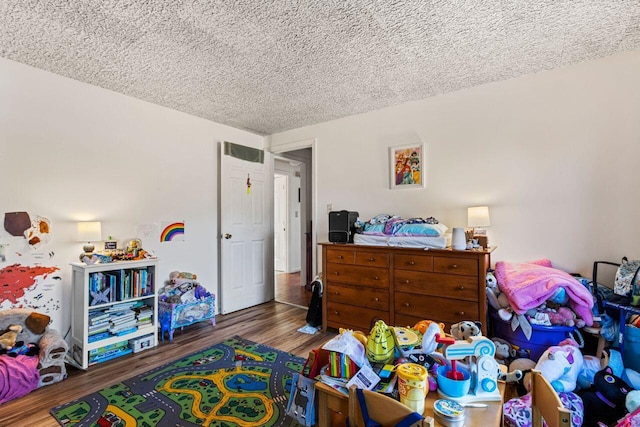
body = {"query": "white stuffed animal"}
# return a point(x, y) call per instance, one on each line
point(561, 365)
point(465, 329)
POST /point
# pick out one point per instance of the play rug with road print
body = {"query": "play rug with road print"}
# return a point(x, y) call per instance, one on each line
point(234, 383)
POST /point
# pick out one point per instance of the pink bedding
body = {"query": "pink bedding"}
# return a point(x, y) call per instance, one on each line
point(527, 285)
point(18, 376)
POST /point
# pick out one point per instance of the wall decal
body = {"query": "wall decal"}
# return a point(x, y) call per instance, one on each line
point(172, 232)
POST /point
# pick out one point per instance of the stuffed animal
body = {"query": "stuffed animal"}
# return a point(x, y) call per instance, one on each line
point(8, 339)
point(564, 316)
point(561, 365)
point(20, 348)
point(504, 350)
point(525, 366)
point(465, 329)
point(605, 401)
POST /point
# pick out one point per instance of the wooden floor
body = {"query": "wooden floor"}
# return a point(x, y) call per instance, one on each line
point(273, 323)
point(289, 290)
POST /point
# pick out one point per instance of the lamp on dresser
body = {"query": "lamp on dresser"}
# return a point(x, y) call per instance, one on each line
point(478, 217)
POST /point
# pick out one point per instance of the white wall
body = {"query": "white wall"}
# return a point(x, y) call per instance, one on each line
point(70, 151)
point(555, 155)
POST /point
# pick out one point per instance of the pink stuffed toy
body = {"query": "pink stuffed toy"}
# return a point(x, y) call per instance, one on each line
point(565, 317)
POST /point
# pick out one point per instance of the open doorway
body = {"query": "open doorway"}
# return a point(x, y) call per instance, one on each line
point(292, 229)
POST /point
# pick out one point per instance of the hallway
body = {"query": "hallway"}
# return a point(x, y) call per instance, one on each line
point(289, 291)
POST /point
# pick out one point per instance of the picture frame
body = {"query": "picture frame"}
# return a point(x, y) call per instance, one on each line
point(406, 166)
point(110, 245)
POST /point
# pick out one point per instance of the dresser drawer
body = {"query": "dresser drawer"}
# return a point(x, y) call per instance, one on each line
point(372, 259)
point(375, 298)
point(443, 285)
point(348, 316)
point(358, 275)
point(413, 262)
point(435, 308)
point(462, 266)
point(341, 256)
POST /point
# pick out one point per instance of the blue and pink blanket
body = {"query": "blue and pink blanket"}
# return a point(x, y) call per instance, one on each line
point(528, 285)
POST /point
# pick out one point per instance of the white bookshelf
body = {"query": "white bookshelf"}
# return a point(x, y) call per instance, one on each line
point(132, 282)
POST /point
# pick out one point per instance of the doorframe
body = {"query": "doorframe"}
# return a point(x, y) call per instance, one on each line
point(313, 177)
point(287, 220)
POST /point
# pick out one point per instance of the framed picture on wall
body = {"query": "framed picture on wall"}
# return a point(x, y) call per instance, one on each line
point(407, 168)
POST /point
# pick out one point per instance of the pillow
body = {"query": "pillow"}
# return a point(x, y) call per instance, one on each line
point(37, 322)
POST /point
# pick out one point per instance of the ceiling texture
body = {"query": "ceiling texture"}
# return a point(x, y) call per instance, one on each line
point(269, 66)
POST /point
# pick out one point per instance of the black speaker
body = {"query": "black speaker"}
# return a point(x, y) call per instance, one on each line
point(341, 226)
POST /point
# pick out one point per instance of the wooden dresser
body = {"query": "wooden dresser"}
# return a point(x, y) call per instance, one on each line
point(402, 285)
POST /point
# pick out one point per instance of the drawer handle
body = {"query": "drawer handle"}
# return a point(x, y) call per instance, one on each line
point(461, 288)
point(372, 259)
point(337, 273)
point(337, 293)
point(336, 312)
point(376, 278)
point(340, 257)
point(376, 299)
point(407, 281)
point(454, 265)
point(461, 313)
point(406, 304)
point(412, 263)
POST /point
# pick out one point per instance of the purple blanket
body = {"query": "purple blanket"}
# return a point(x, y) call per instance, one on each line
point(18, 376)
point(527, 285)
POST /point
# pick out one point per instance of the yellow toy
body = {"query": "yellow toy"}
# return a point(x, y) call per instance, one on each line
point(422, 326)
point(8, 339)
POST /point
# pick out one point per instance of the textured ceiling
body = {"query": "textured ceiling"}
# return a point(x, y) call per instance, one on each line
point(269, 66)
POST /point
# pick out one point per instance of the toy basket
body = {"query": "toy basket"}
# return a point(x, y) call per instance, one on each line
point(542, 337)
point(173, 315)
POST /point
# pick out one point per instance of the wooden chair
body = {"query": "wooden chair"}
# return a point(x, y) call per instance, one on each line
point(545, 404)
point(382, 409)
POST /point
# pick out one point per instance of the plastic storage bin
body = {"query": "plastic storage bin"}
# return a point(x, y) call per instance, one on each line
point(631, 347)
point(542, 337)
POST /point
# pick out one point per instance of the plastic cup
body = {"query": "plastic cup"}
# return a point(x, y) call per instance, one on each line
point(412, 385)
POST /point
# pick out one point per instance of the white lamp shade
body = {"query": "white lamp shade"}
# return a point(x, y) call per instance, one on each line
point(90, 231)
point(478, 216)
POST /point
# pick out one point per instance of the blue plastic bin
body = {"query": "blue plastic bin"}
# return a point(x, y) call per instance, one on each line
point(542, 337)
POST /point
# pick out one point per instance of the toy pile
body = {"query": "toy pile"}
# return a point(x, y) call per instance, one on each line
point(182, 288)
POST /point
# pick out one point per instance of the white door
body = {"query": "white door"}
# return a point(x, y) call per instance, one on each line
point(246, 225)
point(280, 192)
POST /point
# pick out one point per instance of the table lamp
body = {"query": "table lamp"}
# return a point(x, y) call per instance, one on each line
point(477, 217)
point(89, 231)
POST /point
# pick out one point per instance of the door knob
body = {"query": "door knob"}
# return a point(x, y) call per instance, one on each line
point(227, 235)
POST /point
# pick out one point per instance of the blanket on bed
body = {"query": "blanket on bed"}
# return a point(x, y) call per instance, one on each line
point(18, 376)
point(527, 285)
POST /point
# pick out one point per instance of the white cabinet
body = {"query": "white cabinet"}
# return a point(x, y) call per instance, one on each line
point(112, 304)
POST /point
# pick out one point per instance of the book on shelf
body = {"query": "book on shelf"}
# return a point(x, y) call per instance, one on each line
point(109, 347)
point(127, 331)
point(99, 336)
point(110, 356)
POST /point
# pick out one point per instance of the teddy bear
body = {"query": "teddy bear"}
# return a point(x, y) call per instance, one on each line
point(605, 401)
point(465, 329)
point(8, 339)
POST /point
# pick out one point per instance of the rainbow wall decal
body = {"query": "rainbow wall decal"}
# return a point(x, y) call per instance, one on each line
point(172, 232)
